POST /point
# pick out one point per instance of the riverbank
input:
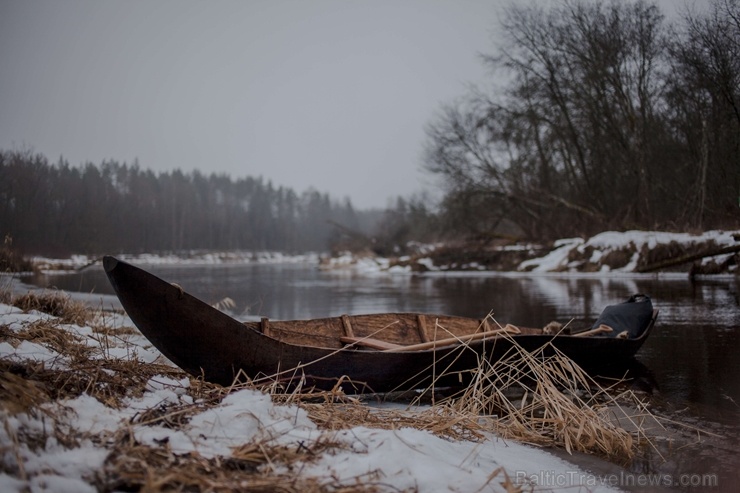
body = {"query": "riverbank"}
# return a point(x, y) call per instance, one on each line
point(89, 405)
point(610, 252)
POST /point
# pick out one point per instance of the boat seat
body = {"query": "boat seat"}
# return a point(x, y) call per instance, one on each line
point(369, 342)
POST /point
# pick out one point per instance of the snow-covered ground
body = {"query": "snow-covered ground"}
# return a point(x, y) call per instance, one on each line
point(68, 444)
point(182, 258)
point(633, 242)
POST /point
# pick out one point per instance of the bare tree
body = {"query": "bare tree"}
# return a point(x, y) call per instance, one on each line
point(606, 117)
point(704, 105)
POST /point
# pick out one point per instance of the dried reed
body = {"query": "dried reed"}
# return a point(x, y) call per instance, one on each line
point(57, 304)
point(544, 398)
point(255, 468)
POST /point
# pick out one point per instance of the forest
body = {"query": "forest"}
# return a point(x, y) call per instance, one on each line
point(599, 115)
point(61, 209)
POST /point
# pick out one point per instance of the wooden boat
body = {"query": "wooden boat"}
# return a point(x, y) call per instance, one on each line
point(363, 353)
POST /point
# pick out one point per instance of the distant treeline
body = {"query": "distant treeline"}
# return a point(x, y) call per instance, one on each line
point(61, 209)
point(601, 115)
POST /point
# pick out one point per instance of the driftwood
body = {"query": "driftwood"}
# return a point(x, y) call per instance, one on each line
point(688, 258)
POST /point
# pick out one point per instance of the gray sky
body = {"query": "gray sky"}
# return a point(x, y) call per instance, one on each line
point(327, 94)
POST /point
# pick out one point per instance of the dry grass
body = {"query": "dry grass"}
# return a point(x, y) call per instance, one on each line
point(442, 421)
point(110, 380)
point(547, 401)
point(56, 304)
point(255, 467)
point(541, 398)
point(20, 394)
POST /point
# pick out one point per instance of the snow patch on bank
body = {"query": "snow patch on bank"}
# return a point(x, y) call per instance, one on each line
point(45, 264)
point(607, 252)
point(558, 260)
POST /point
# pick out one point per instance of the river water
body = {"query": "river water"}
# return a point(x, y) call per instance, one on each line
point(689, 368)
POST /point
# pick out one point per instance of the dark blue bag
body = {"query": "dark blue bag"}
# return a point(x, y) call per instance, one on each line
point(633, 315)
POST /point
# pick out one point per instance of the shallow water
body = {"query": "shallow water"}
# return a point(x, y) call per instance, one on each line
point(690, 365)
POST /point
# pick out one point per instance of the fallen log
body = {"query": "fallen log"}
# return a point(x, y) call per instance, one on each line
point(688, 258)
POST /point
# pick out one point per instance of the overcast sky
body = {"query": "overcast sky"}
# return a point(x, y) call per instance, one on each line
point(328, 94)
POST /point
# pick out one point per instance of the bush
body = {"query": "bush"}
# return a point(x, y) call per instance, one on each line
point(11, 260)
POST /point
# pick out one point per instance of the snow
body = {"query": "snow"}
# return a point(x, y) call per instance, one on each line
point(610, 241)
point(58, 266)
point(54, 483)
point(556, 261)
point(396, 460)
point(415, 460)
point(30, 351)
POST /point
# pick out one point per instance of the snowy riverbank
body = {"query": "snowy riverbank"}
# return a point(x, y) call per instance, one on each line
point(610, 252)
point(89, 405)
point(607, 253)
point(46, 264)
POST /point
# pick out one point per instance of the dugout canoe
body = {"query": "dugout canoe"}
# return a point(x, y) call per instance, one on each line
point(363, 353)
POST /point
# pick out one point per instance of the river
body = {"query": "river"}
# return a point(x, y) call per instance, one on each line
point(689, 368)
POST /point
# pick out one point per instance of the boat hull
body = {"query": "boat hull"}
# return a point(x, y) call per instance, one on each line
point(208, 343)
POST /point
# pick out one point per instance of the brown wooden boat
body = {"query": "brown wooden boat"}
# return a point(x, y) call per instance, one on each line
point(364, 353)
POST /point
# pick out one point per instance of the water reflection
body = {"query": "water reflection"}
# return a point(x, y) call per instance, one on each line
point(300, 291)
